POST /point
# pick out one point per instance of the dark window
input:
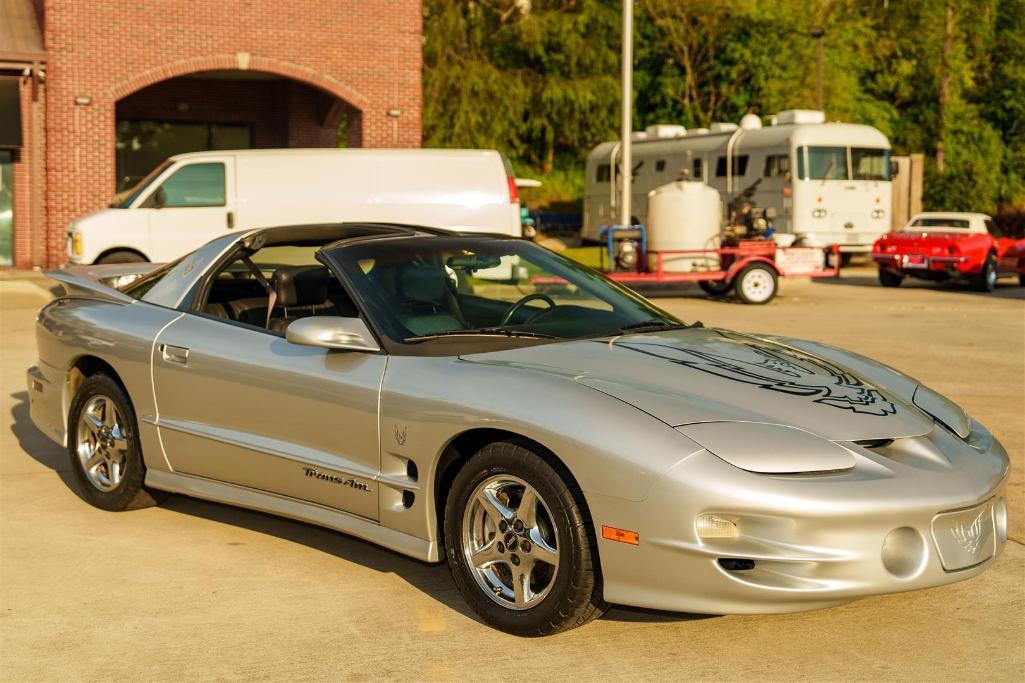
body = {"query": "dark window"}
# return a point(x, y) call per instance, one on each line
point(604, 173)
point(739, 166)
point(191, 186)
point(698, 173)
point(777, 166)
point(660, 165)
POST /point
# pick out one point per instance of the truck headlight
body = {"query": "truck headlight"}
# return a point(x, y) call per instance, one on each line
point(878, 213)
point(818, 213)
point(76, 243)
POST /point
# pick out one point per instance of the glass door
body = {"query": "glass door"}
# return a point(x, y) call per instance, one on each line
point(6, 207)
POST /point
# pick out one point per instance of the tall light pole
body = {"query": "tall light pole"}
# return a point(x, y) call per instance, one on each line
point(820, 33)
point(626, 129)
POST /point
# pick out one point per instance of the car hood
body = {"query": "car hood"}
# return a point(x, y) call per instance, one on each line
point(708, 375)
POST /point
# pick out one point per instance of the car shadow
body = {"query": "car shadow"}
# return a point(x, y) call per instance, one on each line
point(1005, 289)
point(432, 579)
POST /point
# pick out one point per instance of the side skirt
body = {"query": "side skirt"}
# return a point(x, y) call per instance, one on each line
point(262, 501)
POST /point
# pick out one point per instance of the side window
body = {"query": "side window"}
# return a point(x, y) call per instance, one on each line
point(739, 166)
point(660, 165)
point(697, 171)
point(194, 185)
point(604, 173)
point(777, 166)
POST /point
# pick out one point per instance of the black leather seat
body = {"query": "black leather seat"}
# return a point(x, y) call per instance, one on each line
point(301, 292)
point(428, 303)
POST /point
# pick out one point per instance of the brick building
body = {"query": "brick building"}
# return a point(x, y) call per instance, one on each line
point(95, 93)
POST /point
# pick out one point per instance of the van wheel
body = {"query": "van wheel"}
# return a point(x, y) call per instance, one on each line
point(888, 278)
point(986, 280)
point(756, 284)
point(103, 443)
point(519, 545)
point(121, 256)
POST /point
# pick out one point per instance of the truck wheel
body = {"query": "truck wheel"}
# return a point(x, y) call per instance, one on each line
point(888, 278)
point(715, 287)
point(121, 256)
point(103, 443)
point(986, 280)
point(519, 545)
point(756, 284)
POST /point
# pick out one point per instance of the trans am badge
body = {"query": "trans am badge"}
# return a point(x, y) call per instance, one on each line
point(781, 369)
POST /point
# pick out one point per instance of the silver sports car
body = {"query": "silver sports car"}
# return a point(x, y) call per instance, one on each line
point(561, 442)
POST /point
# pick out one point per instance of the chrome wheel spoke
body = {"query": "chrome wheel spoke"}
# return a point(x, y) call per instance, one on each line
point(92, 423)
point(495, 509)
point(527, 510)
point(94, 460)
point(521, 587)
point(487, 555)
point(541, 551)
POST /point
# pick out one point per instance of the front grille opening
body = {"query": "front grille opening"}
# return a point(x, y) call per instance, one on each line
point(734, 564)
point(874, 443)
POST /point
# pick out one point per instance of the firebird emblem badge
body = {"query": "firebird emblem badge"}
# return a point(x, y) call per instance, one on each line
point(969, 537)
point(781, 369)
point(400, 437)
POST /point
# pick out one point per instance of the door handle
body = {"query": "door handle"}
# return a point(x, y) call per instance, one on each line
point(174, 354)
point(230, 220)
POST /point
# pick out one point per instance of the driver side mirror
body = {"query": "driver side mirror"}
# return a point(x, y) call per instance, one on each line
point(158, 199)
point(332, 332)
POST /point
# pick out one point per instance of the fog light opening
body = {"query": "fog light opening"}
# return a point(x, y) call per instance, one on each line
point(904, 552)
point(734, 564)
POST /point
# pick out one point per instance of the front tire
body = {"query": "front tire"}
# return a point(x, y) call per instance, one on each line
point(519, 545)
point(715, 287)
point(756, 284)
point(103, 444)
point(986, 280)
point(888, 278)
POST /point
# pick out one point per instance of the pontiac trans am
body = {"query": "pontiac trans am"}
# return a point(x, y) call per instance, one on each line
point(558, 440)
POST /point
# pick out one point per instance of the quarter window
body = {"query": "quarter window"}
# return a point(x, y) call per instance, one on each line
point(604, 173)
point(191, 186)
point(777, 165)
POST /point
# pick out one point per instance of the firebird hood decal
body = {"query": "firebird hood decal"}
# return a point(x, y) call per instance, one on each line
point(705, 375)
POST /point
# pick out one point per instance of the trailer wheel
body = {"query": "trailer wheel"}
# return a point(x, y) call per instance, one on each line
point(756, 284)
point(715, 287)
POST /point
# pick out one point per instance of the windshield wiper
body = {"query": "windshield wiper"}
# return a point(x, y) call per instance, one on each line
point(482, 332)
point(653, 325)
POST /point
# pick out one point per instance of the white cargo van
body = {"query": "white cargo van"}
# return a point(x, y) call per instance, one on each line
point(192, 198)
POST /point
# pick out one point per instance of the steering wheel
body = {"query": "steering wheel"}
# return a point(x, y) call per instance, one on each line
point(519, 304)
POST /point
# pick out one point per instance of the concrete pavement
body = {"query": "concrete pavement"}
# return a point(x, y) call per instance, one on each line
point(194, 590)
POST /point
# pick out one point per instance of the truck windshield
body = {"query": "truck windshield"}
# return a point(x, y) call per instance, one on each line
point(870, 164)
point(822, 163)
point(124, 199)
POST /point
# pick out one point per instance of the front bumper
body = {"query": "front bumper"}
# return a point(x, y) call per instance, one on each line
point(815, 540)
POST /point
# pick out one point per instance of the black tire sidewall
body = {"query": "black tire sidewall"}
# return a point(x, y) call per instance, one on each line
point(888, 278)
point(129, 493)
point(715, 287)
point(122, 256)
point(575, 582)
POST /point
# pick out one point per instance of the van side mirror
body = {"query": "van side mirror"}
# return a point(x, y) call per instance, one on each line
point(894, 169)
point(332, 332)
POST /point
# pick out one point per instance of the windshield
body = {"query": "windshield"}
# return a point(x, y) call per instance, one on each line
point(124, 199)
point(830, 163)
point(939, 222)
point(423, 289)
point(870, 164)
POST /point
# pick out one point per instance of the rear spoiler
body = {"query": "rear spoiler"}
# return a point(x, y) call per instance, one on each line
point(99, 281)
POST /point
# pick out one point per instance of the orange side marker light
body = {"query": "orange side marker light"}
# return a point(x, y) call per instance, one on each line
point(611, 533)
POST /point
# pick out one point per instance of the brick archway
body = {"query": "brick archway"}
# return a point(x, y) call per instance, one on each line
point(239, 62)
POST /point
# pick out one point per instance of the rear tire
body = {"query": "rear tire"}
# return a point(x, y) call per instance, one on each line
point(121, 256)
point(103, 444)
point(756, 284)
point(546, 547)
point(715, 287)
point(986, 280)
point(888, 278)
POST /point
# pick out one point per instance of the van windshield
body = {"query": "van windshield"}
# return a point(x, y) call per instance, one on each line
point(124, 199)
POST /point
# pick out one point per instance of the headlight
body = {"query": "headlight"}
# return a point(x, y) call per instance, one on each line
point(76, 243)
point(878, 213)
point(818, 213)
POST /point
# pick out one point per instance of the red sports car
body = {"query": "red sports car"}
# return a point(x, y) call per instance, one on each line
point(949, 246)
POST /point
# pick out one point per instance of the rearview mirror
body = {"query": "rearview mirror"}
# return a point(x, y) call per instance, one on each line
point(332, 332)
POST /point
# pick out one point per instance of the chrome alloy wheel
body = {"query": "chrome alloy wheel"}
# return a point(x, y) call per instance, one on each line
point(758, 285)
point(510, 542)
point(102, 443)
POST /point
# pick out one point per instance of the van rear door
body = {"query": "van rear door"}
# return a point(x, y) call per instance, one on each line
point(191, 205)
